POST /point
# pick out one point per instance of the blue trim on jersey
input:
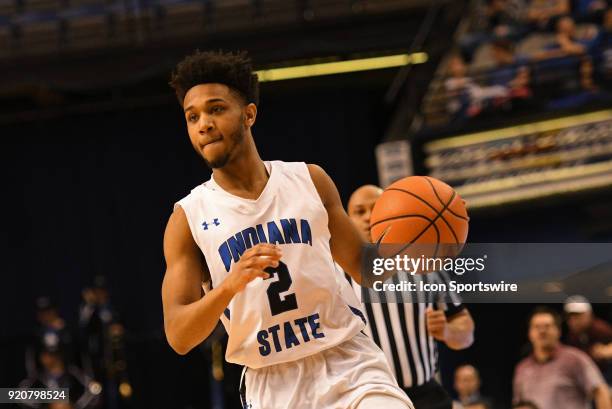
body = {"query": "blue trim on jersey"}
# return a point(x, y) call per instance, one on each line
point(358, 313)
point(227, 313)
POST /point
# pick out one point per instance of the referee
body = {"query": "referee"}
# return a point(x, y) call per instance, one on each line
point(406, 331)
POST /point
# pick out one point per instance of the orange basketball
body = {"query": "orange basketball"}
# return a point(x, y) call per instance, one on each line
point(419, 210)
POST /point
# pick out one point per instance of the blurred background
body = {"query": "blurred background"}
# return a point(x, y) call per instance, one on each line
point(509, 101)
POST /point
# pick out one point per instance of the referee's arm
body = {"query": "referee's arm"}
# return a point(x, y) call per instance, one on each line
point(456, 331)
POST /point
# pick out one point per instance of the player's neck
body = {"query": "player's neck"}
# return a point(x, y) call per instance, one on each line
point(245, 176)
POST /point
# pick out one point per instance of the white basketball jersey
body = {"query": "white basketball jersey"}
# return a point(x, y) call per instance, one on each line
point(304, 307)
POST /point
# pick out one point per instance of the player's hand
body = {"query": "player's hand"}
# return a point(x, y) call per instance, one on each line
point(436, 323)
point(251, 265)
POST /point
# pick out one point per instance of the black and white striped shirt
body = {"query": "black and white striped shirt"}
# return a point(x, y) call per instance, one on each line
point(399, 327)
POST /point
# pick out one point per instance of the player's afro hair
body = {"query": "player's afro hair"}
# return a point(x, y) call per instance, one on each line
point(232, 69)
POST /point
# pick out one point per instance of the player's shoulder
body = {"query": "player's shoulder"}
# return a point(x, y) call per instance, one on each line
point(177, 222)
point(316, 170)
point(323, 183)
point(318, 175)
point(196, 197)
point(310, 170)
point(293, 167)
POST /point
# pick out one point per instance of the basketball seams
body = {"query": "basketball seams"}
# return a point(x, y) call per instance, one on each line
point(432, 222)
point(401, 217)
point(439, 213)
point(441, 202)
point(434, 190)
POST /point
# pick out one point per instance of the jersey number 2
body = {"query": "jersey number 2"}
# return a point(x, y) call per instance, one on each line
point(278, 303)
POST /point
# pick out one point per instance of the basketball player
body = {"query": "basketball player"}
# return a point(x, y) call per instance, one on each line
point(406, 331)
point(260, 239)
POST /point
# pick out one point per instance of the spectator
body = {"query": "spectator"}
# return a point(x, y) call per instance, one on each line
point(498, 19)
point(55, 373)
point(555, 375)
point(605, 48)
point(589, 10)
point(511, 70)
point(569, 42)
point(465, 97)
point(467, 385)
point(103, 348)
point(589, 333)
point(572, 75)
point(52, 329)
point(52, 333)
point(542, 14)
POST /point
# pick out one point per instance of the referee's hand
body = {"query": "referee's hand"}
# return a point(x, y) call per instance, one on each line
point(436, 323)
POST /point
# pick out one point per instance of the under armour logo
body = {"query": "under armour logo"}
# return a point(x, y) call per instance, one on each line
point(214, 222)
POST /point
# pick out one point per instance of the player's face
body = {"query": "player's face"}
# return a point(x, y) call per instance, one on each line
point(360, 209)
point(215, 122)
point(543, 331)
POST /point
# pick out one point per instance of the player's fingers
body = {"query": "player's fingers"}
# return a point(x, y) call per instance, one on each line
point(253, 273)
point(264, 249)
point(264, 262)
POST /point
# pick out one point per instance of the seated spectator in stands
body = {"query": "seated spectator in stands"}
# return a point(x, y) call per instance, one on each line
point(467, 386)
point(605, 48)
point(589, 333)
point(510, 70)
point(589, 10)
point(465, 97)
point(103, 347)
point(497, 19)
point(554, 375)
point(525, 405)
point(55, 373)
point(567, 42)
point(457, 87)
point(542, 14)
point(52, 332)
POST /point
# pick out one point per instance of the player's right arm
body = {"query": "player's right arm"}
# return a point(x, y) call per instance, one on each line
point(189, 317)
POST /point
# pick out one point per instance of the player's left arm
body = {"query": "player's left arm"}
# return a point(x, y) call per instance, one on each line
point(346, 244)
point(456, 331)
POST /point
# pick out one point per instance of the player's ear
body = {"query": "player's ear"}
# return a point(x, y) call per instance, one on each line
point(250, 114)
